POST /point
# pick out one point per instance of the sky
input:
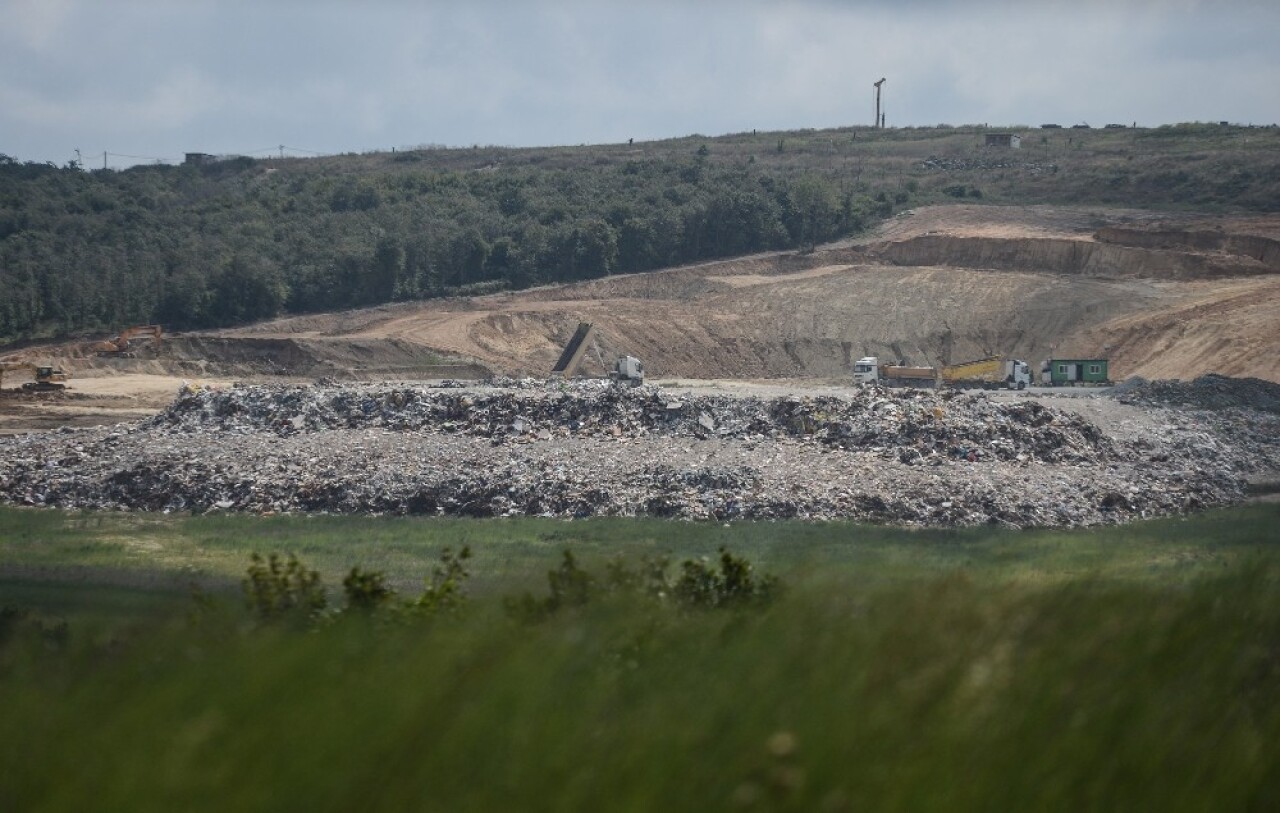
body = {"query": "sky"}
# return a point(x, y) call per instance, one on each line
point(147, 80)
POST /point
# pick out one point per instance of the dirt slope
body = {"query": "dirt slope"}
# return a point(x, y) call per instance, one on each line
point(1162, 295)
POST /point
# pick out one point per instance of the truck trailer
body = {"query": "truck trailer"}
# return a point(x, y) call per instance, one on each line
point(987, 373)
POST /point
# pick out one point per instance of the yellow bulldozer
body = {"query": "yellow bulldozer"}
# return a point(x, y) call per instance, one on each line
point(43, 378)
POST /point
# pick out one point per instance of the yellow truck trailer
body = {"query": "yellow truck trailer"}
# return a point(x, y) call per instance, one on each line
point(988, 373)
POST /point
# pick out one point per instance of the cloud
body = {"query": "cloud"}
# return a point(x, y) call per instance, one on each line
point(34, 24)
point(163, 77)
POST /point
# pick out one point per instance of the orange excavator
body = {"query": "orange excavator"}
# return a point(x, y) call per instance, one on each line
point(44, 379)
point(120, 345)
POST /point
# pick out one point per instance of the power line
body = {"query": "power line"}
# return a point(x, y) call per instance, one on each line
point(140, 157)
point(282, 148)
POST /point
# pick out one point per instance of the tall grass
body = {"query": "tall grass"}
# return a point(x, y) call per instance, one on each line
point(939, 693)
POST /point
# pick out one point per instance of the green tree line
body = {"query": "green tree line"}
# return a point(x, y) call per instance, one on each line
point(240, 240)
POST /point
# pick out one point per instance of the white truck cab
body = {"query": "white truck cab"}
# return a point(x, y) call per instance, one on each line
point(628, 369)
point(1017, 374)
point(866, 370)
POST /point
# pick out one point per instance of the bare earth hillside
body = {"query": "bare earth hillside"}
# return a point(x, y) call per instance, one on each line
point(1163, 295)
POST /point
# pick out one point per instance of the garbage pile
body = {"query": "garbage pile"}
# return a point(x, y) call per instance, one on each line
point(576, 449)
point(910, 425)
point(1209, 391)
point(1240, 413)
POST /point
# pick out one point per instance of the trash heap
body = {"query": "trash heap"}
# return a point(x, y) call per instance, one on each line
point(576, 449)
point(1209, 391)
point(909, 425)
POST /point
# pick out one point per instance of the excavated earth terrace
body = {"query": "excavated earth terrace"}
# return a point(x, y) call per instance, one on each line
point(590, 448)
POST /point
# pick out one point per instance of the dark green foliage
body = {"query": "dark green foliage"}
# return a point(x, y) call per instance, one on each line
point(10, 619)
point(366, 590)
point(279, 589)
point(698, 586)
point(284, 589)
point(242, 240)
point(735, 584)
point(569, 586)
point(445, 589)
point(649, 579)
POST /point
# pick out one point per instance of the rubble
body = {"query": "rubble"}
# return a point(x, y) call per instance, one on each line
point(1209, 391)
point(587, 448)
point(1215, 412)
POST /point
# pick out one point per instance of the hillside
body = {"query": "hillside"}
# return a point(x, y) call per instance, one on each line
point(237, 241)
point(936, 284)
point(916, 290)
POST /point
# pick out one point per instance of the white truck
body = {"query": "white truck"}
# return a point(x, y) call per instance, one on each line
point(988, 373)
point(628, 370)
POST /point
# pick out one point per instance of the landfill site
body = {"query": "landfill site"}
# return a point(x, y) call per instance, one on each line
point(745, 405)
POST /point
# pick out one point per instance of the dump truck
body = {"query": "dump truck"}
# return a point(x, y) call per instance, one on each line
point(987, 373)
point(869, 371)
point(574, 351)
point(628, 370)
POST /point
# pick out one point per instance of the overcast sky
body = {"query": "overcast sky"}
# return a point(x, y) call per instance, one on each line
point(150, 79)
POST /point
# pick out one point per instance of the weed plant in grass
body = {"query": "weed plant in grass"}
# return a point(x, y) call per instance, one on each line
point(938, 693)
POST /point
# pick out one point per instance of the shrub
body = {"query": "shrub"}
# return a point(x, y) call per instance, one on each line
point(700, 586)
point(277, 589)
point(570, 586)
point(650, 579)
point(366, 590)
point(444, 589)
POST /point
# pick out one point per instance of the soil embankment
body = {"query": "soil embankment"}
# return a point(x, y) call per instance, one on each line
point(1081, 257)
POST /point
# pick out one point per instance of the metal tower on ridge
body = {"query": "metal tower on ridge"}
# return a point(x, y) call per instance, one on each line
point(878, 122)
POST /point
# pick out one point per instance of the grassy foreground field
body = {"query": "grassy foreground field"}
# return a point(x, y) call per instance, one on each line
point(1130, 667)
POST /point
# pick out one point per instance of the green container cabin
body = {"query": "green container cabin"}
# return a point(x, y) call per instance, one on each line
point(1077, 371)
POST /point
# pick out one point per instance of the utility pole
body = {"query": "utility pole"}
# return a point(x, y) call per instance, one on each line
point(104, 159)
point(878, 121)
point(282, 151)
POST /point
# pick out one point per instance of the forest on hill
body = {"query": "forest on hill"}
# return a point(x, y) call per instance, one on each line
point(236, 240)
